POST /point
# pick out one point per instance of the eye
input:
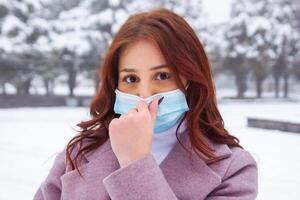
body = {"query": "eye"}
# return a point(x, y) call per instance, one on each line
point(129, 78)
point(163, 76)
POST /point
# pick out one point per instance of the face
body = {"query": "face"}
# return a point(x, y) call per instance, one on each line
point(143, 70)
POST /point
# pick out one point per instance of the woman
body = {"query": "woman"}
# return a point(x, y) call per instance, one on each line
point(155, 132)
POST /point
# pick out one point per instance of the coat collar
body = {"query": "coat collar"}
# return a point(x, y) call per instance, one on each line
point(189, 170)
point(220, 150)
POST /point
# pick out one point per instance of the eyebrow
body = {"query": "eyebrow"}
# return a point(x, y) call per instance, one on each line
point(152, 68)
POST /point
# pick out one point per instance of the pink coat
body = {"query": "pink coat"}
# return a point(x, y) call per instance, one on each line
point(177, 177)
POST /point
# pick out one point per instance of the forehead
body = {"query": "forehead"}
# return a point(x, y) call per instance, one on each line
point(142, 54)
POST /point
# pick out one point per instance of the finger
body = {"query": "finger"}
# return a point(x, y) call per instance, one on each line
point(153, 108)
point(142, 106)
point(132, 111)
point(122, 116)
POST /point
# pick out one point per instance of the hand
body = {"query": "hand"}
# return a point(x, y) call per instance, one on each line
point(131, 135)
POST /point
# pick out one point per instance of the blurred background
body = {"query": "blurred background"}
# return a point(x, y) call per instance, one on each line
point(50, 51)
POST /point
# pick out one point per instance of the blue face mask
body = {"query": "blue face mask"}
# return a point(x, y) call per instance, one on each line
point(170, 110)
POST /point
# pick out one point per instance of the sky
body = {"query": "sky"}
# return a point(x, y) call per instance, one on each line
point(218, 10)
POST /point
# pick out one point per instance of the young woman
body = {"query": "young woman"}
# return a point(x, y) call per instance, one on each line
point(155, 130)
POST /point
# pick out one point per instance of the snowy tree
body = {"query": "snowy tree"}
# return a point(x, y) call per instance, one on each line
point(209, 34)
point(261, 39)
point(49, 38)
point(15, 43)
point(81, 35)
point(5, 66)
point(286, 41)
point(260, 55)
point(296, 70)
point(237, 44)
point(106, 17)
point(47, 60)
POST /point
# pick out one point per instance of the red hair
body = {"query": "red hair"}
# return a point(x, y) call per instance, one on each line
point(186, 56)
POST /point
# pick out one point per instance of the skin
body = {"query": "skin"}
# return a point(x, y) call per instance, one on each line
point(128, 144)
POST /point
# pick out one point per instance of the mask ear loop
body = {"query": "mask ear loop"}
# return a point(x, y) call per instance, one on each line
point(187, 85)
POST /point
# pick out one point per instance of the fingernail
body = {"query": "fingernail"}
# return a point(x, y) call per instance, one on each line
point(160, 100)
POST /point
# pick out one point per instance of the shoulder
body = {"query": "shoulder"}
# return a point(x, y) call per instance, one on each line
point(50, 188)
point(241, 161)
point(240, 156)
point(239, 174)
point(59, 164)
point(236, 160)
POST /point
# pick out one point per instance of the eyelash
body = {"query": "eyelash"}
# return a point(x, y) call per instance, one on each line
point(168, 77)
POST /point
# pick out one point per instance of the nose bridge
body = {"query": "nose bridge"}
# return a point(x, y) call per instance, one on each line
point(145, 90)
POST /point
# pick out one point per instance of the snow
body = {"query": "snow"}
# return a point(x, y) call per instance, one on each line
point(217, 14)
point(35, 144)
point(259, 23)
point(275, 152)
point(106, 16)
point(76, 13)
point(5, 45)
point(11, 23)
point(21, 6)
point(5, 3)
point(34, 3)
point(121, 16)
point(73, 41)
point(31, 137)
point(114, 2)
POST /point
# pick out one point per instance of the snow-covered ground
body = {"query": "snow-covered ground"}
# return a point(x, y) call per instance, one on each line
point(31, 137)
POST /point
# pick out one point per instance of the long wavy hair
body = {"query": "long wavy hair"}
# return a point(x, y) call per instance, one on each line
point(186, 56)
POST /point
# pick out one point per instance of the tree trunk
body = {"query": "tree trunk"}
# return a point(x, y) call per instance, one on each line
point(24, 87)
point(71, 80)
point(27, 86)
point(3, 89)
point(276, 86)
point(48, 83)
point(258, 82)
point(241, 86)
point(286, 85)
